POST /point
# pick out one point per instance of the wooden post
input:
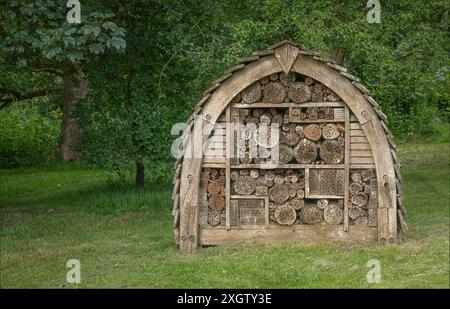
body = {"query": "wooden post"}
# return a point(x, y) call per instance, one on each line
point(347, 166)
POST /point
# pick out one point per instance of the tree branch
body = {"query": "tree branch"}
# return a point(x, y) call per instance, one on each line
point(9, 96)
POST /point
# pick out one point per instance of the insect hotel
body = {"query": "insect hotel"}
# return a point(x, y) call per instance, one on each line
point(287, 145)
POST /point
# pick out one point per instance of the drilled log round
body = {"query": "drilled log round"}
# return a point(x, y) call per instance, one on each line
point(355, 212)
point(273, 77)
point(332, 214)
point(246, 158)
point(299, 92)
point(234, 175)
point(216, 202)
point(213, 218)
point(341, 141)
point(317, 88)
point(265, 118)
point(245, 185)
point(214, 172)
point(310, 214)
point(360, 199)
point(252, 93)
point(246, 133)
point(288, 79)
point(290, 138)
point(355, 188)
point(330, 131)
point(297, 203)
point(269, 175)
point(313, 132)
point(301, 193)
point(274, 92)
point(305, 151)
point(309, 81)
point(286, 154)
point(356, 177)
point(278, 194)
point(361, 220)
point(285, 214)
point(279, 180)
point(278, 118)
point(322, 203)
point(331, 152)
point(254, 173)
point(214, 187)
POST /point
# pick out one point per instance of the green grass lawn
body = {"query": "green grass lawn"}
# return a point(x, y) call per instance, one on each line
point(123, 237)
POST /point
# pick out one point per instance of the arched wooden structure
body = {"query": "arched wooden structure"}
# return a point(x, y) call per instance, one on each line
point(221, 199)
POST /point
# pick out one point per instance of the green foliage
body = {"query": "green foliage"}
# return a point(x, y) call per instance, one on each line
point(28, 136)
point(37, 34)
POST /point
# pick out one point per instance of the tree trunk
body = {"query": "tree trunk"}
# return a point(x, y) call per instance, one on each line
point(75, 89)
point(337, 54)
point(140, 174)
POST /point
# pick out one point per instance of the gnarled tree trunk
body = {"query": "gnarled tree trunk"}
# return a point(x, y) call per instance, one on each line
point(75, 89)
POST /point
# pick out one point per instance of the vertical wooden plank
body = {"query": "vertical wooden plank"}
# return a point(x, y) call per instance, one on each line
point(347, 166)
point(382, 226)
point(227, 169)
point(306, 182)
point(392, 224)
point(267, 211)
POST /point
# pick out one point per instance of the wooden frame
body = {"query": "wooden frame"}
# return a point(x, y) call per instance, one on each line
point(288, 57)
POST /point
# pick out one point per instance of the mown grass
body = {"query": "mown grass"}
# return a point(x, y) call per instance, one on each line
point(123, 237)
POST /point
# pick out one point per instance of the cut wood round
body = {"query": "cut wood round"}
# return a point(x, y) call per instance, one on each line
point(332, 214)
point(251, 119)
point(309, 81)
point(213, 218)
point(355, 188)
point(331, 152)
point(305, 151)
point(278, 118)
point(361, 220)
point(269, 175)
point(310, 214)
point(279, 194)
point(355, 212)
point(234, 175)
point(286, 154)
point(313, 132)
point(285, 214)
point(330, 131)
point(322, 203)
point(341, 141)
point(288, 79)
point(299, 131)
point(360, 199)
point(356, 177)
point(300, 193)
point(274, 92)
point(273, 77)
point(246, 133)
point(254, 173)
point(290, 138)
point(216, 202)
point(214, 187)
point(265, 118)
point(246, 158)
point(214, 172)
point(299, 92)
point(252, 93)
point(279, 179)
point(297, 203)
point(245, 185)
point(317, 88)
